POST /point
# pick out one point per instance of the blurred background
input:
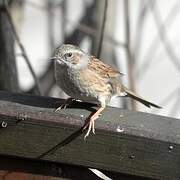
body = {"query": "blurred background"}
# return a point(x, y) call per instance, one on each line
point(140, 38)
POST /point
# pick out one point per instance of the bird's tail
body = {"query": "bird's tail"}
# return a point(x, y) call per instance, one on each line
point(138, 98)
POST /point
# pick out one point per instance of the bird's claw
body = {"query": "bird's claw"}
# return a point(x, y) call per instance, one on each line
point(91, 127)
point(65, 104)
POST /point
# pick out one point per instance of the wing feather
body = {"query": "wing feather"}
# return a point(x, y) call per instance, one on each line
point(104, 70)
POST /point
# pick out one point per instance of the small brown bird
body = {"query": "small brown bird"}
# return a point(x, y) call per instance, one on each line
point(86, 78)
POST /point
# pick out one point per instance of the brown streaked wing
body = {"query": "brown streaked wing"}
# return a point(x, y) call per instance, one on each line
point(104, 70)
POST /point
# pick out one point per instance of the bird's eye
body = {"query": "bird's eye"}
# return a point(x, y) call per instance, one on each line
point(68, 55)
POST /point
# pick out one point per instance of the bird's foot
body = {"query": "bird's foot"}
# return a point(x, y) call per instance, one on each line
point(65, 104)
point(91, 123)
point(90, 126)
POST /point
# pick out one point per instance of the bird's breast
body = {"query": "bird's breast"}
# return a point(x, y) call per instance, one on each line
point(84, 84)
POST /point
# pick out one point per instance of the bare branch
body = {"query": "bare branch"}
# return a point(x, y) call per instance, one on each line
point(164, 38)
point(102, 29)
point(130, 60)
point(82, 25)
point(139, 28)
point(50, 26)
point(161, 33)
point(24, 54)
point(8, 70)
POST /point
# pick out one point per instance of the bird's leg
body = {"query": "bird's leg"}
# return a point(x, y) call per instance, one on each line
point(90, 124)
point(66, 103)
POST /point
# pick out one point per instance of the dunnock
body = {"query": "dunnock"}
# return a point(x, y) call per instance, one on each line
point(86, 78)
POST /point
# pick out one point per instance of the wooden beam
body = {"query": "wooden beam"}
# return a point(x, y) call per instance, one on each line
point(48, 168)
point(44, 167)
point(149, 146)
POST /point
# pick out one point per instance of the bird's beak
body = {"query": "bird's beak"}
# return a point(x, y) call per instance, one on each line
point(57, 59)
point(53, 58)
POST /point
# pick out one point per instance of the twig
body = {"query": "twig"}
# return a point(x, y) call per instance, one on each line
point(102, 29)
point(139, 28)
point(130, 60)
point(154, 45)
point(24, 54)
point(63, 12)
point(82, 26)
point(50, 22)
point(163, 36)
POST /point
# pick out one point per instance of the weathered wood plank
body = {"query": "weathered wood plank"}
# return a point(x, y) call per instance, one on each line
point(54, 169)
point(149, 145)
point(46, 168)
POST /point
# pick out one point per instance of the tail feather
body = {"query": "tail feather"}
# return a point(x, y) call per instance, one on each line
point(138, 98)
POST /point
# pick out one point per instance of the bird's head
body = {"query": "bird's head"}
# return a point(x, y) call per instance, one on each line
point(71, 56)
